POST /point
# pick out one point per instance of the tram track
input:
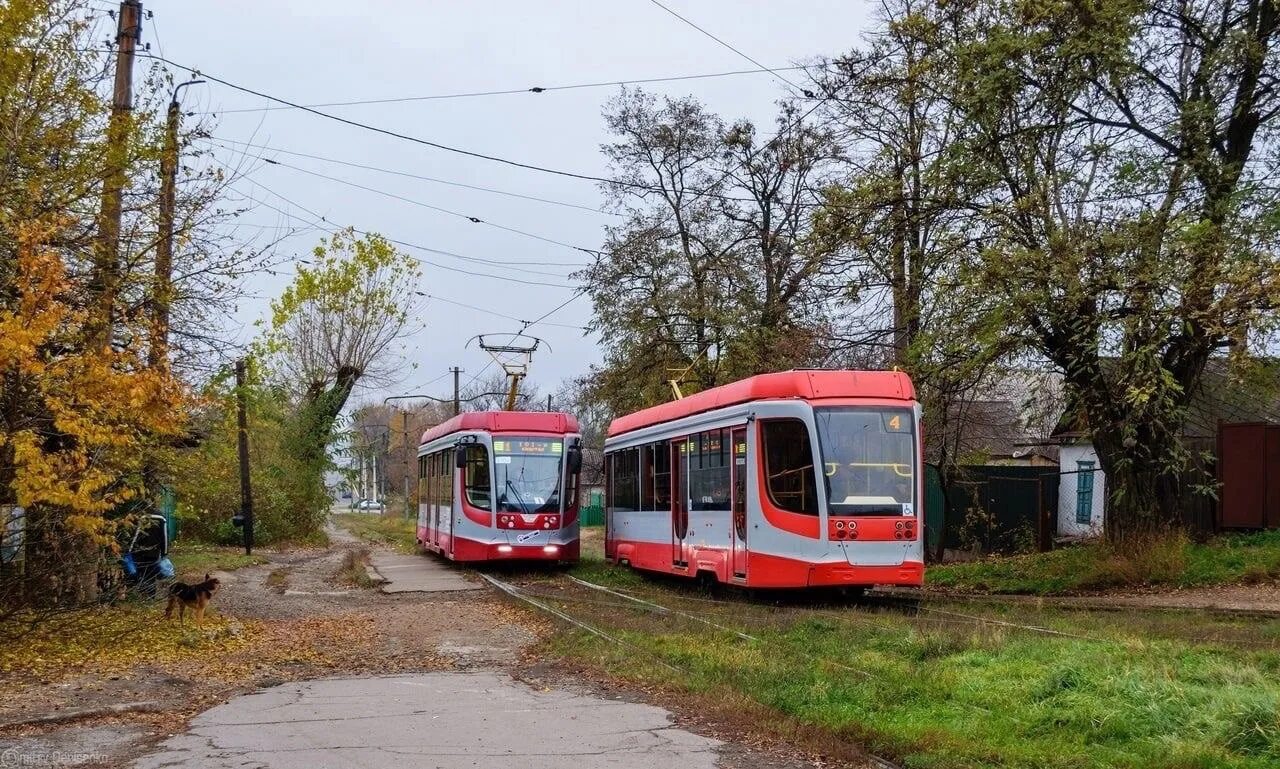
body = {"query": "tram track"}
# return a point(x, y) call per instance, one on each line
point(1071, 603)
point(921, 610)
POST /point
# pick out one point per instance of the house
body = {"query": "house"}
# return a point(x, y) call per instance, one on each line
point(996, 432)
point(1222, 400)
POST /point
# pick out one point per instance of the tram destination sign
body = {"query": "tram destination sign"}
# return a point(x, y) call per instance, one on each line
point(528, 446)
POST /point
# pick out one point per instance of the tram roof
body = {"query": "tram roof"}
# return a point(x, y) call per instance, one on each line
point(801, 385)
point(553, 422)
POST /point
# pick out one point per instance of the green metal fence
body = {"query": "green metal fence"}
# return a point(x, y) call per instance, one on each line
point(592, 514)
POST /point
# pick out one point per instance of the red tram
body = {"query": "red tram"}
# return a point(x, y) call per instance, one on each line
point(787, 480)
point(500, 485)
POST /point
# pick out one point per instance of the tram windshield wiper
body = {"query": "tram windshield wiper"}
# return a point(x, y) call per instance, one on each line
point(519, 501)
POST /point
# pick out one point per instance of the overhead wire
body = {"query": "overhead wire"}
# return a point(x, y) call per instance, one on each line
point(397, 134)
point(439, 209)
point(333, 227)
point(727, 45)
point(224, 142)
point(534, 90)
point(502, 315)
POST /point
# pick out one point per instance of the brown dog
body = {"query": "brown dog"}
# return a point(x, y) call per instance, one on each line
point(196, 596)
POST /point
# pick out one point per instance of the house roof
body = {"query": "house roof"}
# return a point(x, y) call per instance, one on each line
point(553, 422)
point(1224, 396)
point(805, 385)
point(994, 429)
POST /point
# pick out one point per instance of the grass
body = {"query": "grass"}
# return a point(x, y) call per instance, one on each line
point(353, 571)
point(195, 559)
point(938, 693)
point(390, 530)
point(1175, 562)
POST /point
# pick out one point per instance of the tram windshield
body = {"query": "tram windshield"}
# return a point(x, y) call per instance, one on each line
point(869, 459)
point(526, 476)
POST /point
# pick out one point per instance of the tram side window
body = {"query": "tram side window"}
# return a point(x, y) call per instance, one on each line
point(440, 482)
point(709, 471)
point(624, 488)
point(477, 476)
point(646, 477)
point(447, 470)
point(789, 466)
point(661, 475)
point(433, 483)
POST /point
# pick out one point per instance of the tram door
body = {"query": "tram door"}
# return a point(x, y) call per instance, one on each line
point(739, 501)
point(679, 499)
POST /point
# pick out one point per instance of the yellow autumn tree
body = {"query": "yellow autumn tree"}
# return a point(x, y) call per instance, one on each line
point(78, 420)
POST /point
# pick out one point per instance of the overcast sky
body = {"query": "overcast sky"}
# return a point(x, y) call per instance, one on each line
point(317, 51)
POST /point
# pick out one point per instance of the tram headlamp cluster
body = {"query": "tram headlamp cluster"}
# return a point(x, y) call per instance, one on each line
point(846, 531)
point(512, 521)
point(905, 530)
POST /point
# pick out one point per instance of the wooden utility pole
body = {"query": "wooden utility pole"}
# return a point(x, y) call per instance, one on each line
point(162, 290)
point(106, 268)
point(242, 445)
point(457, 397)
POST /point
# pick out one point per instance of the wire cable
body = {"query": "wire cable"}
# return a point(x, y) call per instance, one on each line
point(397, 134)
point(730, 47)
point(439, 209)
point(534, 90)
point(220, 141)
point(502, 315)
point(333, 228)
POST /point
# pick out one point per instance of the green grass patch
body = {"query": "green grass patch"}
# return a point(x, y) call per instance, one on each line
point(392, 531)
point(933, 694)
point(1175, 562)
point(195, 559)
point(353, 570)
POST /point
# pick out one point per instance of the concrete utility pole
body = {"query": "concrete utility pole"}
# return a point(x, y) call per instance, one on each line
point(162, 291)
point(457, 394)
point(405, 448)
point(242, 446)
point(106, 268)
point(548, 401)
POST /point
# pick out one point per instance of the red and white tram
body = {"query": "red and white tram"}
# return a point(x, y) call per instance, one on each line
point(787, 480)
point(500, 485)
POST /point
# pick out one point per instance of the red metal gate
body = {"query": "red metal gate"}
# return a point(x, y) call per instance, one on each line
point(1249, 476)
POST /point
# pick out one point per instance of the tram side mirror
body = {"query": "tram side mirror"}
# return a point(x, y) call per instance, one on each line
point(460, 457)
point(575, 458)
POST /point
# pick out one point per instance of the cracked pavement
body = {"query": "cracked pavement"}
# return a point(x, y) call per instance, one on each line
point(480, 720)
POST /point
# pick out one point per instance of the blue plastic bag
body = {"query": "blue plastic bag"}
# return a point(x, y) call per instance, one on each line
point(165, 567)
point(130, 568)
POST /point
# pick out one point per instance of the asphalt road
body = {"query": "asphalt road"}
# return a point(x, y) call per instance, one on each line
point(477, 720)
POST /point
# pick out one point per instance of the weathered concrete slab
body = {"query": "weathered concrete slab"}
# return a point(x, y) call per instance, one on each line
point(418, 574)
point(481, 720)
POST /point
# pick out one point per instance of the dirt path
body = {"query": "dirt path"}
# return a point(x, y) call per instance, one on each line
point(304, 624)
